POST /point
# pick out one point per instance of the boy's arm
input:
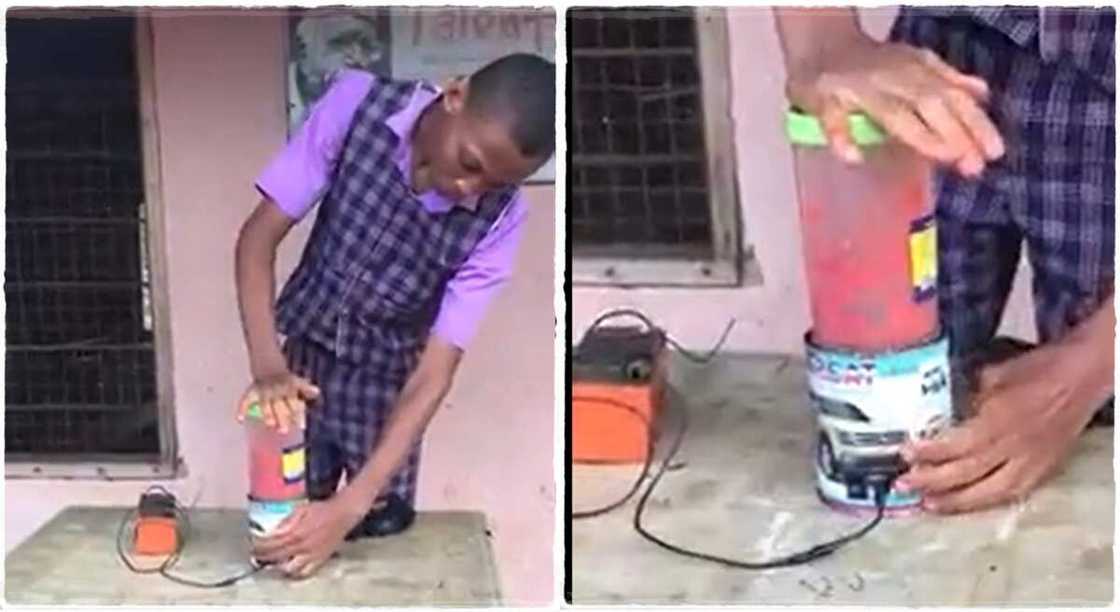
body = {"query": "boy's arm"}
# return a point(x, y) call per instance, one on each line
point(417, 403)
point(834, 69)
point(291, 184)
point(255, 259)
point(465, 302)
point(1030, 413)
point(308, 537)
point(809, 35)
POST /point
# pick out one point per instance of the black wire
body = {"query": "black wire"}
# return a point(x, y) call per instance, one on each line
point(646, 464)
point(164, 568)
point(702, 359)
point(124, 556)
point(810, 554)
point(225, 582)
point(636, 314)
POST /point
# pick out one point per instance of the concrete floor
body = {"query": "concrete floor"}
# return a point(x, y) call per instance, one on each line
point(745, 490)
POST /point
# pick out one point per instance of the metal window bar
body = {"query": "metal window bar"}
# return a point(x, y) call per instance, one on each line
point(639, 177)
point(80, 377)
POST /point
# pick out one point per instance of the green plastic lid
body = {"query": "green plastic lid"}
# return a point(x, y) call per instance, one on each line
point(806, 130)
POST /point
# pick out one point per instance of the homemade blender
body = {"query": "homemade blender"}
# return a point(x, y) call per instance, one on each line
point(277, 462)
point(878, 361)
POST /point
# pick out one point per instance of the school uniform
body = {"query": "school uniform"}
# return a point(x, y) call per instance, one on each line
point(1051, 74)
point(383, 268)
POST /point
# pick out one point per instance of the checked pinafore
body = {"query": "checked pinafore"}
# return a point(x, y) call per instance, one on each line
point(1052, 87)
point(357, 310)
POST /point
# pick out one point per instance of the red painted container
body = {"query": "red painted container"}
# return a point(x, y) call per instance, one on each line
point(276, 461)
point(868, 237)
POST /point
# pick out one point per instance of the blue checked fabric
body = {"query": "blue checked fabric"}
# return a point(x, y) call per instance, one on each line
point(1053, 192)
point(344, 423)
point(358, 308)
point(1080, 37)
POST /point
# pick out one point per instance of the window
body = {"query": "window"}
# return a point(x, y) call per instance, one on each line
point(85, 379)
point(651, 186)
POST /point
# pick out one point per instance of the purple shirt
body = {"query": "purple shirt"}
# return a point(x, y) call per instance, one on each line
point(299, 175)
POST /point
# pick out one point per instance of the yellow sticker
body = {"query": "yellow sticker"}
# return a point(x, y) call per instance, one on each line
point(292, 464)
point(923, 260)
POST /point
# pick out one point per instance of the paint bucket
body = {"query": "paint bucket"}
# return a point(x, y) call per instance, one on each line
point(277, 465)
point(867, 405)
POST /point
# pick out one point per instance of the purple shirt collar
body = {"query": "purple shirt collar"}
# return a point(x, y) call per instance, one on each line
point(402, 123)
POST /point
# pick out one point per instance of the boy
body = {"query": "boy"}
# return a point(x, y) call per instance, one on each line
point(418, 226)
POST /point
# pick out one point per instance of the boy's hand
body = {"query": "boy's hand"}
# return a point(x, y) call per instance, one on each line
point(912, 93)
point(1031, 411)
point(283, 399)
point(308, 538)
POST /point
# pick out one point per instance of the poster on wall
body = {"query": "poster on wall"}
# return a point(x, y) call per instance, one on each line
point(408, 43)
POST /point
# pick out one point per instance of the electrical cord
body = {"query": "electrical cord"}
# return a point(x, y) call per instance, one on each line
point(687, 354)
point(164, 568)
point(645, 464)
point(617, 313)
point(810, 554)
point(699, 359)
point(880, 487)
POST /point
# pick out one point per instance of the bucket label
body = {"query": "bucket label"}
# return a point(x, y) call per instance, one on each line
point(292, 463)
point(867, 406)
point(265, 517)
point(923, 258)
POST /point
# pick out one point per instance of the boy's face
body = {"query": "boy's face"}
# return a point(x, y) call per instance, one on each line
point(471, 154)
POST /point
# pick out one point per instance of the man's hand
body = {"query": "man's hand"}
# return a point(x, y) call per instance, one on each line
point(307, 538)
point(283, 399)
point(1030, 411)
point(912, 93)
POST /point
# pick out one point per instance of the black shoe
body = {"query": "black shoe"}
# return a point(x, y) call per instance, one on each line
point(1103, 417)
point(392, 517)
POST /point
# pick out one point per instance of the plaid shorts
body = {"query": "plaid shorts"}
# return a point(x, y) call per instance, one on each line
point(1053, 191)
point(345, 423)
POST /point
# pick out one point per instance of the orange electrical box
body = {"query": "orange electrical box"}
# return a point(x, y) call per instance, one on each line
point(156, 535)
point(156, 531)
point(618, 389)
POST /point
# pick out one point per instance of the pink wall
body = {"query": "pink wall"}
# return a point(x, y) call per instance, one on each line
point(771, 316)
point(220, 96)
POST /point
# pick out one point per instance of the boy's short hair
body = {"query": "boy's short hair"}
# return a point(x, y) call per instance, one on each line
point(519, 90)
